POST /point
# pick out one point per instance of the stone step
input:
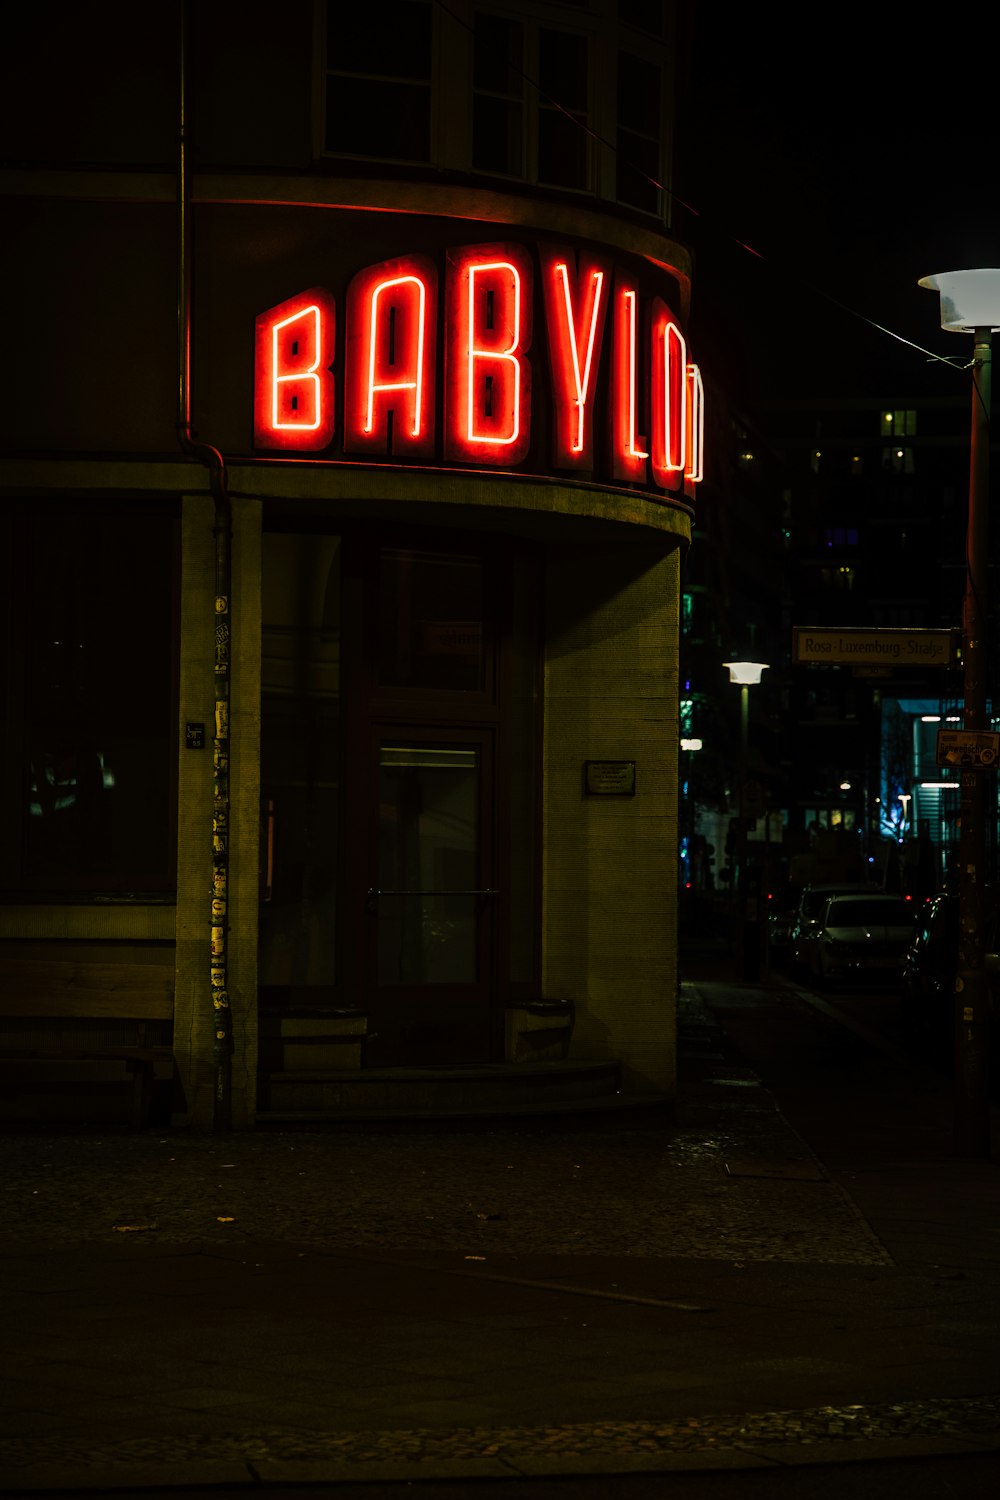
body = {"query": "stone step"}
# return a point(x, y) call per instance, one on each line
point(498, 1089)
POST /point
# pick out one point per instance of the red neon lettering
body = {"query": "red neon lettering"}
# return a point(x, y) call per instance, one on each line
point(695, 470)
point(293, 386)
point(392, 328)
point(488, 379)
point(391, 318)
point(575, 304)
point(669, 400)
point(629, 450)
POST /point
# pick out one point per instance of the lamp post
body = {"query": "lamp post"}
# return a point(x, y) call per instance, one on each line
point(904, 822)
point(745, 674)
point(970, 303)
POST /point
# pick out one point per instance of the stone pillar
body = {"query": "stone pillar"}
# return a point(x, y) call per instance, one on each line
point(193, 1018)
point(610, 882)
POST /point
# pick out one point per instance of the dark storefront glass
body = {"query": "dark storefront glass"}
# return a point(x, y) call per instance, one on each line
point(430, 621)
point(428, 864)
point(300, 761)
point(90, 702)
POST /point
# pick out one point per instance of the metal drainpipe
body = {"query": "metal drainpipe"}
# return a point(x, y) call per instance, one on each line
point(222, 1029)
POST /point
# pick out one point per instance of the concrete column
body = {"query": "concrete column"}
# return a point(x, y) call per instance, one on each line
point(193, 1018)
point(610, 863)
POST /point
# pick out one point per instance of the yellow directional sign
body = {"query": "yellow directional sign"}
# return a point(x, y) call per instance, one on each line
point(875, 648)
point(967, 748)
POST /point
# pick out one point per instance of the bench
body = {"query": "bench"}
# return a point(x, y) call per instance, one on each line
point(91, 1022)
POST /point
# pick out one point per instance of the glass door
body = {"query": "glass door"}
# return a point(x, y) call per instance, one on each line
point(431, 898)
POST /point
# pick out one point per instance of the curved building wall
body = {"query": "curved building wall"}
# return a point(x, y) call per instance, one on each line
point(452, 673)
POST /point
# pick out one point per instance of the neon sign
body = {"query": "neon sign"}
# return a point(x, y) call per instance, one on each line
point(390, 352)
point(575, 306)
point(629, 406)
point(487, 374)
point(293, 384)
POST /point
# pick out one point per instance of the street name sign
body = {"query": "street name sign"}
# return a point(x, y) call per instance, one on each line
point(875, 648)
point(967, 748)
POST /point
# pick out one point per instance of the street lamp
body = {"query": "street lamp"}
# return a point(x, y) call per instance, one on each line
point(745, 674)
point(905, 798)
point(970, 303)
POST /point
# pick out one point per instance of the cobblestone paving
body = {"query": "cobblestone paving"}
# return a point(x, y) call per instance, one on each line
point(976, 1420)
point(633, 1193)
point(731, 1181)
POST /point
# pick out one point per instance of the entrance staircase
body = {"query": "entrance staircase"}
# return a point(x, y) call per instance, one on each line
point(495, 1091)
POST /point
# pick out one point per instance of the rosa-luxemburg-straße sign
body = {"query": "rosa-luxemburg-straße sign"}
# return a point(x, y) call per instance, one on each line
point(875, 648)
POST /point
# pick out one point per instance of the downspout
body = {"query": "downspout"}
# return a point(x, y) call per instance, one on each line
point(218, 967)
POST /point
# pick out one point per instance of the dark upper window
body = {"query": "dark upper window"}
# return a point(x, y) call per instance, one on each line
point(582, 107)
point(498, 111)
point(563, 109)
point(378, 80)
point(639, 132)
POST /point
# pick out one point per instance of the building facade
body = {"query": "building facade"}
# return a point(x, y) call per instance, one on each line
point(349, 459)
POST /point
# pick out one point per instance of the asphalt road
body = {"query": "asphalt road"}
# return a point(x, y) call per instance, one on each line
point(959, 1477)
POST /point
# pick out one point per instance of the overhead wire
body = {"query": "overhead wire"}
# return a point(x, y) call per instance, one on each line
point(952, 361)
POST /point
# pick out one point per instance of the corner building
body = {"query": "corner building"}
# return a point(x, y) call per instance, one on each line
point(349, 460)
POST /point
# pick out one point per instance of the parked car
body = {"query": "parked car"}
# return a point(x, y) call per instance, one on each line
point(927, 983)
point(780, 920)
point(865, 936)
point(808, 913)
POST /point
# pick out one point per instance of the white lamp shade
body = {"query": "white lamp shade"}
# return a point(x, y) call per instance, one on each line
point(969, 299)
point(745, 672)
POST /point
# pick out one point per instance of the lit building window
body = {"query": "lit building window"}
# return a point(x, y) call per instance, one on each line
point(899, 423)
point(840, 579)
point(898, 460)
point(840, 536)
point(831, 817)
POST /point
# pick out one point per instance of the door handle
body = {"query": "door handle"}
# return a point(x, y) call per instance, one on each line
point(373, 894)
point(267, 883)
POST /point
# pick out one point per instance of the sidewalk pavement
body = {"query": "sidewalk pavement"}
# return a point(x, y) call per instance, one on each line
point(753, 1285)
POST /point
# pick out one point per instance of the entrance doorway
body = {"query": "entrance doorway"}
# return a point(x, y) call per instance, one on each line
point(399, 733)
point(431, 901)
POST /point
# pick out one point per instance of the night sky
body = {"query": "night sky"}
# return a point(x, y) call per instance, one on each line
point(854, 161)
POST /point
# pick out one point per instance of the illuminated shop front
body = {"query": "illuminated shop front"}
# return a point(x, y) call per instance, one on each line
point(360, 753)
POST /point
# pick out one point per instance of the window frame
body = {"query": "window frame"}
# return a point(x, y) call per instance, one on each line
point(453, 95)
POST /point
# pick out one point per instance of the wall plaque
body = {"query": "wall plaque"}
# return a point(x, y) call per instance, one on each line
point(609, 778)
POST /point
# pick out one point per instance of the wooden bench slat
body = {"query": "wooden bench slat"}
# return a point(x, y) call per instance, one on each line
point(56, 988)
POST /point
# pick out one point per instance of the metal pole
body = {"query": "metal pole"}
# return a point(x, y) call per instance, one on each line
point(741, 843)
point(972, 1111)
point(222, 1027)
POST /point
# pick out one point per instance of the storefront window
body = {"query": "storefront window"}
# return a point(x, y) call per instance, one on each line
point(430, 621)
point(300, 761)
point(428, 864)
point(525, 712)
point(89, 726)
